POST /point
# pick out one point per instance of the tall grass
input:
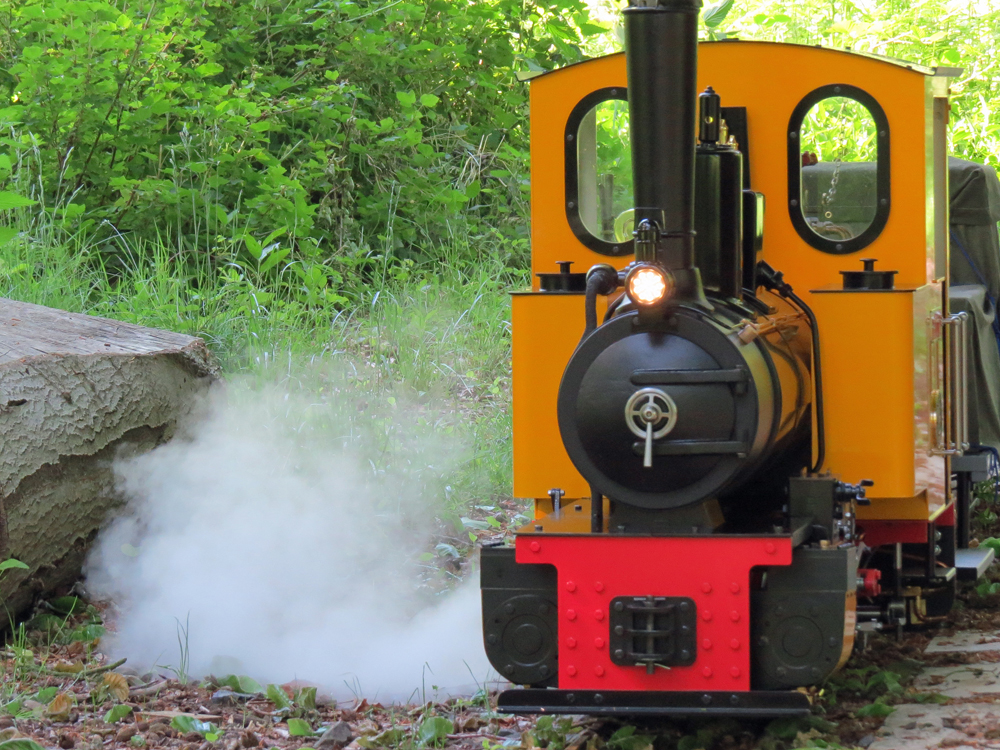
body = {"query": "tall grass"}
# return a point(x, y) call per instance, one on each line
point(434, 333)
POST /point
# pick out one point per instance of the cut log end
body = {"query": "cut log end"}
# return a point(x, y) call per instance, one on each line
point(76, 392)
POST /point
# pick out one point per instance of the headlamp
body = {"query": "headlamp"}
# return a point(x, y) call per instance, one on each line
point(648, 285)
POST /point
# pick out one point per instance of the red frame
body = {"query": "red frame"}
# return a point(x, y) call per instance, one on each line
point(713, 571)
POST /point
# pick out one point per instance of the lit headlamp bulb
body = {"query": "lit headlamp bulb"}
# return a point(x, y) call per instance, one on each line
point(648, 285)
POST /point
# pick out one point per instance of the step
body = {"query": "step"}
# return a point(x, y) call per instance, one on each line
point(972, 563)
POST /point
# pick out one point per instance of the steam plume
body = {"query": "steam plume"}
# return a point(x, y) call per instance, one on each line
point(286, 531)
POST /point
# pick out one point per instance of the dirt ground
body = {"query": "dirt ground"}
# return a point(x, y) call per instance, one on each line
point(59, 690)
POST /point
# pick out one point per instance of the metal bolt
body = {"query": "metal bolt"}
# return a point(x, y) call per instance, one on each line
point(619, 606)
point(706, 699)
point(619, 654)
point(598, 698)
point(543, 670)
point(839, 246)
point(509, 669)
point(685, 654)
point(577, 507)
point(571, 204)
point(781, 671)
point(569, 137)
point(492, 639)
point(508, 608)
point(794, 202)
point(684, 607)
point(734, 700)
point(619, 630)
point(571, 697)
point(538, 527)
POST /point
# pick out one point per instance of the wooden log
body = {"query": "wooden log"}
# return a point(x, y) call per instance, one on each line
point(77, 392)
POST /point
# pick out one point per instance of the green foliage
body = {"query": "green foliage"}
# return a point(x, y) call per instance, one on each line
point(186, 724)
point(327, 127)
point(240, 684)
point(926, 32)
point(20, 744)
point(627, 739)
point(12, 564)
point(299, 728)
point(877, 708)
point(551, 732)
point(434, 731)
point(869, 682)
point(117, 713)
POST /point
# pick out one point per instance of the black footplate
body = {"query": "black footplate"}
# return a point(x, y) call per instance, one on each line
point(653, 631)
point(752, 704)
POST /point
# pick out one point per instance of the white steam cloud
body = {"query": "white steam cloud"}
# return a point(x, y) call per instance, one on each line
point(287, 534)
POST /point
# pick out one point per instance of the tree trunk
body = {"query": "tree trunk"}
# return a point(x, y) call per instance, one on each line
point(76, 392)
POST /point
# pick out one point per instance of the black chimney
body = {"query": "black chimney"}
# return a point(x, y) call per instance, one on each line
point(661, 46)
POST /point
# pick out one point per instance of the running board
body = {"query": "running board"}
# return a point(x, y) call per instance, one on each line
point(972, 563)
point(752, 704)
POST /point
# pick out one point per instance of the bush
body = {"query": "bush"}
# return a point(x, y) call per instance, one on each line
point(332, 126)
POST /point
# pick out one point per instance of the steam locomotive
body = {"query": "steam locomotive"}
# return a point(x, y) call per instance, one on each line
point(742, 446)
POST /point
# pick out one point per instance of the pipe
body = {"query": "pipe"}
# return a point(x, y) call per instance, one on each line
point(661, 45)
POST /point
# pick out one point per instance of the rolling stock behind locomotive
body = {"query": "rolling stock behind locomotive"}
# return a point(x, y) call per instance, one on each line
point(740, 443)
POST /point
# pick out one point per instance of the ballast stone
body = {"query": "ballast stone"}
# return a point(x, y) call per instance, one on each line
point(77, 392)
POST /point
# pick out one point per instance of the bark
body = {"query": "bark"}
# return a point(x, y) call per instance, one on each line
point(77, 392)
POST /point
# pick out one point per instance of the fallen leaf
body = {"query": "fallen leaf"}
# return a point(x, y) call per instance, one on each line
point(58, 709)
point(117, 685)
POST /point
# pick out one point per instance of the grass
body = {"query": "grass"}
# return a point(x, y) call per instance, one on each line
point(436, 332)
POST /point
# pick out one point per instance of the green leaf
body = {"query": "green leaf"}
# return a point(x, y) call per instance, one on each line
point(46, 694)
point(878, 708)
point(20, 744)
point(10, 200)
point(6, 235)
point(88, 633)
point(299, 728)
point(117, 713)
point(278, 697)
point(429, 100)
point(185, 723)
point(406, 98)
point(12, 564)
point(209, 69)
point(716, 13)
point(434, 731)
point(241, 684)
point(306, 697)
point(67, 605)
